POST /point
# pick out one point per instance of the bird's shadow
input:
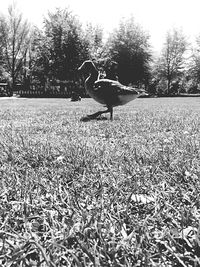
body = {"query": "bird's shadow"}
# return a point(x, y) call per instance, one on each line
point(90, 118)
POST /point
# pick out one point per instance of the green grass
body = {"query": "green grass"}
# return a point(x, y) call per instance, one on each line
point(100, 193)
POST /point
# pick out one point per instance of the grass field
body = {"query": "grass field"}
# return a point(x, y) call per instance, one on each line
point(100, 193)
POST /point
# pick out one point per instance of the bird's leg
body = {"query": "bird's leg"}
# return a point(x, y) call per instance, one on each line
point(110, 109)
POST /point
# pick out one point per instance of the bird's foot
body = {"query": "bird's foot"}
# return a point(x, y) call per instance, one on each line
point(86, 118)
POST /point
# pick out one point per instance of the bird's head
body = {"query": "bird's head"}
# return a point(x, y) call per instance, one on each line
point(87, 66)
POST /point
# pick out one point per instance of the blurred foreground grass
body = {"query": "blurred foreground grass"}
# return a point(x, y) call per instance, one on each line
point(100, 193)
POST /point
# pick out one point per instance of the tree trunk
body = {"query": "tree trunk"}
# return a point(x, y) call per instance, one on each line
point(168, 85)
point(12, 85)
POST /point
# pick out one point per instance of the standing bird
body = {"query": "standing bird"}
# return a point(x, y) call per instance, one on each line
point(105, 91)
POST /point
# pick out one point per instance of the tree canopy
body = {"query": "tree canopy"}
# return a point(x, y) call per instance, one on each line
point(129, 47)
point(66, 45)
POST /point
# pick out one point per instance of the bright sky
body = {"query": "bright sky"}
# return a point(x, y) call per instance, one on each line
point(155, 16)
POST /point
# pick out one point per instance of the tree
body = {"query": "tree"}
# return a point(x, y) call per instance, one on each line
point(170, 65)
point(66, 44)
point(38, 60)
point(194, 68)
point(129, 47)
point(98, 49)
point(14, 35)
point(94, 39)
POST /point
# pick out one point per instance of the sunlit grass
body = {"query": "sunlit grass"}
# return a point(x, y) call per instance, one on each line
point(99, 193)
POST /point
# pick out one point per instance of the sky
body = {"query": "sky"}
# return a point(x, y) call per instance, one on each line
point(156, 17)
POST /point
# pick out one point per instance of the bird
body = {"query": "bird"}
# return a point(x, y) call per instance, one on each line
point(108, 92)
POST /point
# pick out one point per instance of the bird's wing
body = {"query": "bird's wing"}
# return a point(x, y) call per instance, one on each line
point(106, 86)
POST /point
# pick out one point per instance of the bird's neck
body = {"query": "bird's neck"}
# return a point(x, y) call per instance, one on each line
point(93, 77)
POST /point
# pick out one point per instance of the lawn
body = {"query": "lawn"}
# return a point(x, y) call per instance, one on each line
point(100, 193)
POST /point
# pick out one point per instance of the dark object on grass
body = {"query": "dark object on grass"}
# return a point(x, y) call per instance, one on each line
point(75, 97)
point(105, 91)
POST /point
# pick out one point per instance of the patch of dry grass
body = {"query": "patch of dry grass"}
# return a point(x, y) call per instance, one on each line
point(100, 193)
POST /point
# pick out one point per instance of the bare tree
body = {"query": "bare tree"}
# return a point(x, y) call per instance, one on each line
point(194, 68)
point(171, 63)
point(14, 35)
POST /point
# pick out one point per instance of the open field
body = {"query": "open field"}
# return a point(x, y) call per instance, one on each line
point(100, 193)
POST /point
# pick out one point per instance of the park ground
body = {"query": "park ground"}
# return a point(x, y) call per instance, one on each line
point(100, 193)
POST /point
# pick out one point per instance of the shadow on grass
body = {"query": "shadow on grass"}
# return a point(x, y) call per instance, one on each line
point(88, 118)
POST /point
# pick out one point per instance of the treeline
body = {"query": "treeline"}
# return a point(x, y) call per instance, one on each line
point(52, 55)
